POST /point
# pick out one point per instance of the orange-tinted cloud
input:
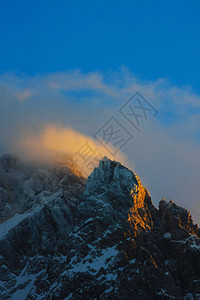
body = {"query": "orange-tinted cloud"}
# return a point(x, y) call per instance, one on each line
point(53, 140)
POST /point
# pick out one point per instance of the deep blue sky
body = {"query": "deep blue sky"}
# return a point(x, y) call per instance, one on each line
point(152, 38)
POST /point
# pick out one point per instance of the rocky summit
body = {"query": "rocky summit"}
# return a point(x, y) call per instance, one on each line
point(65, 237)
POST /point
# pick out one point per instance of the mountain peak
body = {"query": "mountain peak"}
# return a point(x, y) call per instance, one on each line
point(65, 238)
point(112, 176)
point(122, 188)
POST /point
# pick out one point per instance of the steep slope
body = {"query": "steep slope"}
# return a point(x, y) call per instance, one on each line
point(22, 186)
point(99, 240)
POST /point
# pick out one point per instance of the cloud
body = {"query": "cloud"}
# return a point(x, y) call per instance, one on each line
point(52, 141)
point(23, 95)
point(166, 153)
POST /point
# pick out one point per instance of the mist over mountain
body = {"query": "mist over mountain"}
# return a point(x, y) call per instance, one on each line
point(64, 236)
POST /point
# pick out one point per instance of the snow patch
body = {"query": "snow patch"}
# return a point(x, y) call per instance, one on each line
point(97, 263)
point(13, 222)
point(167, 235)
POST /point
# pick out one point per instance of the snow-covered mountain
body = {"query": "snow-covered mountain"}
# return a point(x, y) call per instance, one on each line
point(65, 237)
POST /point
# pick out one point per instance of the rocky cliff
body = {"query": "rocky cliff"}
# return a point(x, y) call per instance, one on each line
point(63, 237)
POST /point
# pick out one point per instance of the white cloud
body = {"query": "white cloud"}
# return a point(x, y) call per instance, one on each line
point(167, 151)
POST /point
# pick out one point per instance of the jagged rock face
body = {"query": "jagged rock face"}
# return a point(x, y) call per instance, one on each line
point(176, 220)
point(22, 185)
point(124, 191)
point(12, 178)
point(183, 242)
point(99, 240)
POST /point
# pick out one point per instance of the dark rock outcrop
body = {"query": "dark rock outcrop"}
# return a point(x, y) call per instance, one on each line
point(99, 240)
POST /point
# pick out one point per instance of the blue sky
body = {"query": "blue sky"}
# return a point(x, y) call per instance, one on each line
point(154, 39)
